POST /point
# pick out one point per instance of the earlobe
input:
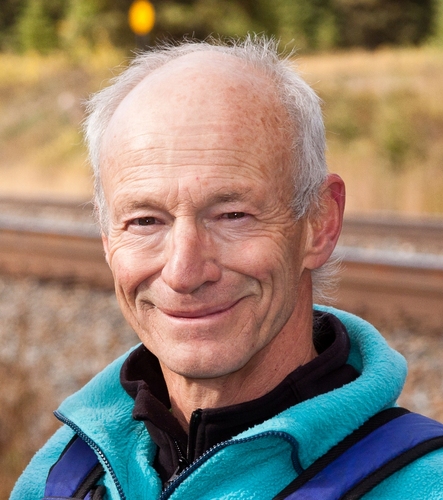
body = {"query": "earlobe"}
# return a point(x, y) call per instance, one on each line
point(324, 227)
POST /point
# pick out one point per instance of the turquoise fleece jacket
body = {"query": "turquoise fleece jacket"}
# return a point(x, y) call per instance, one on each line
point(256, 464)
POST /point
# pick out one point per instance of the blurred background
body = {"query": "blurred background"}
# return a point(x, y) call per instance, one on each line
point(377, 65)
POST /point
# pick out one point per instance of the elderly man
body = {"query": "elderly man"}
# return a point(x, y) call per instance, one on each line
point(217, 213)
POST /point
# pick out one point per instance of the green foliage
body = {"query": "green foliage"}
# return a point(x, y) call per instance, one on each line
point(36, 26)
point(203, 18)
point(371, 23)
point(43, 25)
point(437, 32)
point(399, 124)
point(394, 132)
point(349, 115)
point(80, 24)
point(9, 13)
point(309, 22)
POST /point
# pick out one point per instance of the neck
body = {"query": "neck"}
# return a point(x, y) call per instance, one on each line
point(289, 349)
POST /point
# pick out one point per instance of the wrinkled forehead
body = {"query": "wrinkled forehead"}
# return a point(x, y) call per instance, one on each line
point(202, 89)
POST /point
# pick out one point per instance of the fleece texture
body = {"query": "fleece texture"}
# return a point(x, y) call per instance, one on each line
point(256, 464)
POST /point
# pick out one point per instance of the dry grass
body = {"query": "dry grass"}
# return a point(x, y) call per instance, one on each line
point(383, 113)
point(41, 149)
point(384, 119)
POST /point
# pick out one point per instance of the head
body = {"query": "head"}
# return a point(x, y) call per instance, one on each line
point(306, 134)
point(212, 192)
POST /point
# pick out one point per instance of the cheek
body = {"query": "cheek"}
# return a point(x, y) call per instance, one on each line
point(130, 268)
point(266, 259)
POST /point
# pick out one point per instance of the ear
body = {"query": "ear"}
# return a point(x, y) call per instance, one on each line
point(324, 226)
point(105, 246)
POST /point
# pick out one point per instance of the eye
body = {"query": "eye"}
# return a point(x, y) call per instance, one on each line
point(234, 215)
point(144, 221)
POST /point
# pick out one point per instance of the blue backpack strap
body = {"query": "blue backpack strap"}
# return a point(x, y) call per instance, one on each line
point(386, 443)
point(75, 474)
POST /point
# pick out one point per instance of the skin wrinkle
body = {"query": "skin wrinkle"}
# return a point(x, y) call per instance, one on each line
point(288, 89)
point(258, 377)
point(120, 156)
point(239, 290)
point(275, 215)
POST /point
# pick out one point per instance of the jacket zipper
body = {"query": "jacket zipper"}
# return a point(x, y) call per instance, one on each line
point(182, 464)
point(175, 483)
point(184, 461)
point(96, 448)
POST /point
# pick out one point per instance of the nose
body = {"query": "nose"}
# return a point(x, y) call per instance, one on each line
point(190, 257)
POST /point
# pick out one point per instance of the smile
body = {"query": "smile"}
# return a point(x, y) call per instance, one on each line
point(199, 313)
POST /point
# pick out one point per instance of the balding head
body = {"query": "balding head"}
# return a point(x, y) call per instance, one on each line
point(256, 56)
point(253, 63)
point(197, 93)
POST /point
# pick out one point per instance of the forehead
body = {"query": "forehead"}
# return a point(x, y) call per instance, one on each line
point(197, 89)
point(193, 106)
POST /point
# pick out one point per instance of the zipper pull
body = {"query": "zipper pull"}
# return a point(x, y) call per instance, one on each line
point(182, 464)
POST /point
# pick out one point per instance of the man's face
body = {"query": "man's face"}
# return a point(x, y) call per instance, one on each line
point(206, 254)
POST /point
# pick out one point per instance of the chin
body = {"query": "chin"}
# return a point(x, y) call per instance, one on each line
point(204, 368)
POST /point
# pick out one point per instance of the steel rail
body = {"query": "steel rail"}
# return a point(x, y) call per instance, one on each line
point(70, 252)
point(392, 287)
point(373, 281)
point(394, 224)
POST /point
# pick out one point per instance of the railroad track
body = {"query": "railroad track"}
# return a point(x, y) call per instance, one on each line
point(392, 267)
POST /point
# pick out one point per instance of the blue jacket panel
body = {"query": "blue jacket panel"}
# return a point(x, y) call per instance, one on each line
point(257, 463)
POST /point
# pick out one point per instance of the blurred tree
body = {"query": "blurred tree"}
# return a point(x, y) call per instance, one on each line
point(309, 22)
point(89, 23)
point(36, 26)
point(80, 24)
point(201, 18)
point(437, 35)
point(371, 23)
point(306, 24)
point(9, 14)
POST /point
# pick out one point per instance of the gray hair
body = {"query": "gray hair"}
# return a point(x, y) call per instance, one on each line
point(259, 52)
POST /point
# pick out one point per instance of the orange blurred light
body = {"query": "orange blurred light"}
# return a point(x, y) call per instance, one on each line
point(141, 17)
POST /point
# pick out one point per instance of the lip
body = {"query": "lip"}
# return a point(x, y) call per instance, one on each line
point(199, 313)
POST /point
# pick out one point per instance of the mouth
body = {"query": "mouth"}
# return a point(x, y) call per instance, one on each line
point(199, 313)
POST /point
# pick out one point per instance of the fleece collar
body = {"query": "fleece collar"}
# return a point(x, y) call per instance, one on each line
point(143, 380)
point(321, 422)
point(103, 410)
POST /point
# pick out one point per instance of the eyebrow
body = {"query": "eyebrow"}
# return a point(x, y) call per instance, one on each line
point(135, 205)
point(213, 199)
point(228, 197)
